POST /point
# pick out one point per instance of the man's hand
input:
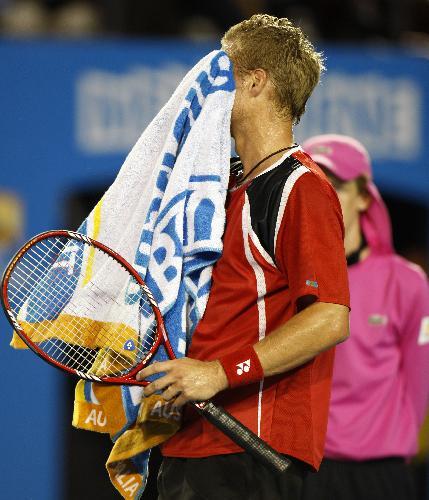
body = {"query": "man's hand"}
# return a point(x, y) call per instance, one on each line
point(185, 380)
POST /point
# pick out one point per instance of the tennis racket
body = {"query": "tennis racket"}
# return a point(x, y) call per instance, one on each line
point(85, 310)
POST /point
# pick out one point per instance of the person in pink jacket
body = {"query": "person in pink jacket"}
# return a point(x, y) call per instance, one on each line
point(380, 386)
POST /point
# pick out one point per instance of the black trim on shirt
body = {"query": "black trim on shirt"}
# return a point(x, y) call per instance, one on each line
point(265, 194)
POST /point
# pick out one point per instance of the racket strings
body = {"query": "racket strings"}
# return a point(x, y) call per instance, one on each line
point(51, 348)
point(72, 319)
point(30, 276)
point(74, 358)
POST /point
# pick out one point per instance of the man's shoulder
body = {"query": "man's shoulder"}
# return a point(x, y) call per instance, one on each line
point(316, 178)
point(276, 175)
point(268, 194)
point(271, 184)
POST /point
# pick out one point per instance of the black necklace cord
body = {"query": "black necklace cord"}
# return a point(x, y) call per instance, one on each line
point(236, 167)
point(242, 179)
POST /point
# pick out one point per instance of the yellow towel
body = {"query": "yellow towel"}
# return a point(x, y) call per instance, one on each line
point(100, 408)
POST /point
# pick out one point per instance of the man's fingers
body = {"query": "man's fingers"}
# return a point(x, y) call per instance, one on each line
point(158, 385)
point(171, 392)
point(180, 401)
point(162, 366)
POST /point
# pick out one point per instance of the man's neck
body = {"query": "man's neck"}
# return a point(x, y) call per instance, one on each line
point(259, 139)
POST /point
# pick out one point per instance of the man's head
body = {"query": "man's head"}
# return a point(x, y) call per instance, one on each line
point(272, 55)
point(347, 164)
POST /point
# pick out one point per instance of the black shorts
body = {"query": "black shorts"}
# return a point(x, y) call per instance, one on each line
point(228, 477)
point(383, 479)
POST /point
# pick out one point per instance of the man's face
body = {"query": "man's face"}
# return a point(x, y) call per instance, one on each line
point(239, 107)
point(352, 201)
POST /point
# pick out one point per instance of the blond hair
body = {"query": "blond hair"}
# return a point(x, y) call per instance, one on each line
point(284, 52)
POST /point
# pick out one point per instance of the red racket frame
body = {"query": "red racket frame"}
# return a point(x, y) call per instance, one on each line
point(161, 334)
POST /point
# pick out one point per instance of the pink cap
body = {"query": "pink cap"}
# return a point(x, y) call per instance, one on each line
point(348, 159)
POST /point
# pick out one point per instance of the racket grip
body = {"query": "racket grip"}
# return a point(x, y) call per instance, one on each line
point(243, 436)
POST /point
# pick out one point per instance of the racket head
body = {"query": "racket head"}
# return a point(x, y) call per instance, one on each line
point(89, 336)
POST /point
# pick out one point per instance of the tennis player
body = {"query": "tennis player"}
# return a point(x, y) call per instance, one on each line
point(279, 300)
point(381, 374)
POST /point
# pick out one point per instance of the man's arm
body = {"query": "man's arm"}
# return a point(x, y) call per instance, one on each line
point(310, 332)
point(307, 334)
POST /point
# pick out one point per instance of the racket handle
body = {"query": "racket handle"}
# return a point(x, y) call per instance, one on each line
point(243, 436)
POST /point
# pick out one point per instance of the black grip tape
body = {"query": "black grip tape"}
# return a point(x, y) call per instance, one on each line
point(243, 436)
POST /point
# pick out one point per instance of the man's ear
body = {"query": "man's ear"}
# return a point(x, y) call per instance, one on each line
point(258, 80)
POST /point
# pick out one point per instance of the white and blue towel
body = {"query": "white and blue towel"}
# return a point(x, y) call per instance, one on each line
point(165, 211)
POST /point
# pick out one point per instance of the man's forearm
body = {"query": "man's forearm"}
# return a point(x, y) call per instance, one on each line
point(307, 334)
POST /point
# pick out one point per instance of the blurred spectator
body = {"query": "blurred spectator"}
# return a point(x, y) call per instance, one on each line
point(380, 386)
point(11, 225)
point(76, 19)
point(27, 18)
point(30, 18)
point(334, 20)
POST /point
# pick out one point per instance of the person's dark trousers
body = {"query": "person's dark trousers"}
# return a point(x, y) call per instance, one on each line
point(384, 479)
point(228, 477)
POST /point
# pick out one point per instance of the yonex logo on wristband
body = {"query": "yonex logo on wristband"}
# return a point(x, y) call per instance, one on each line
point(243, 367)
point(239, 371)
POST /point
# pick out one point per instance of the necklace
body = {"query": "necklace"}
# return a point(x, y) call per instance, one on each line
point(242, 179)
